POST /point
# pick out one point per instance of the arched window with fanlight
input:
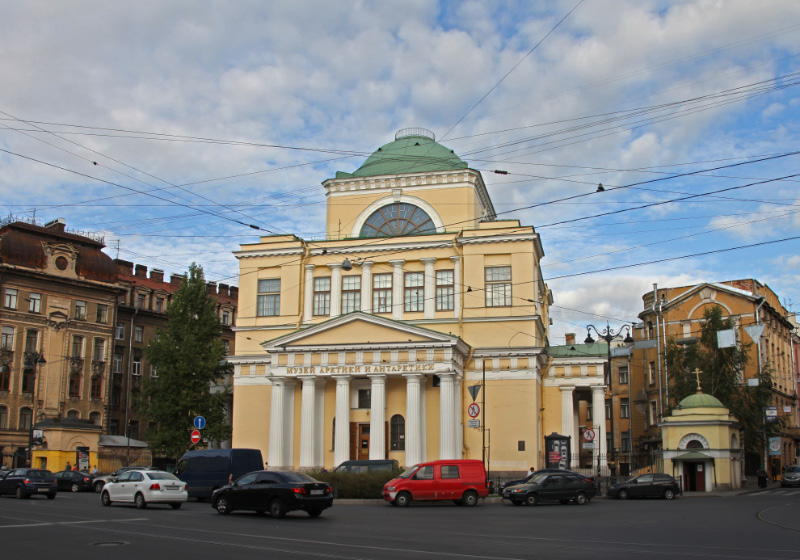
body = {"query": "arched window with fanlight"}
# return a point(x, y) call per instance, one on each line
point(397, 433)
point(399, 218)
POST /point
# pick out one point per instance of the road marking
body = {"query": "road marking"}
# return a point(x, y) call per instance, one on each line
point(74, 522)
point(761, 493)
point(26, 525)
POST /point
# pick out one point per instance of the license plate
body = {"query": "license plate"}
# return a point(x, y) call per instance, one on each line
point(172, 487)
point(43, 490)
point(318, 491)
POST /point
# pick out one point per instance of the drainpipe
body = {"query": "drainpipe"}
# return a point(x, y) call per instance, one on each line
point(664, 341)
point(658, 349)
point(128, 387)
point(302, 290)
point(758, 355)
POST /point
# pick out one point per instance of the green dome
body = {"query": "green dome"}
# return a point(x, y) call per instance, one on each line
point(414, 150)
point(700, 400)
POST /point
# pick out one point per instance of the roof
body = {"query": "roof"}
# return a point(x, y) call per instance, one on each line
point(595, 350)
point(700, 400)
point(692, 456)
point(120, 441)
point(414, 150)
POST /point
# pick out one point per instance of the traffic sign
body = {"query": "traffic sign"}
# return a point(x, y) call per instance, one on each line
point(474, 410)
point(195, 436)
point(588, 435)
point(199, 422)
point(473, 423)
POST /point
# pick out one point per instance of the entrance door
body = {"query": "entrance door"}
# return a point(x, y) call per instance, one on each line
point(694, 477)
point(363, 442)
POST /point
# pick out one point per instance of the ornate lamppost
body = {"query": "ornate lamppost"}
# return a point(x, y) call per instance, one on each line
point(34, 360)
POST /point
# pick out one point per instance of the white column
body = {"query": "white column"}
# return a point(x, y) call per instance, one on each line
point(430, 288)
point(341, 446)
point(288, 430)
point(366, 286)
point(397, 289)
point(456, 286)
point(447, 413)
point(308, 422)
point(377, 418)
point(276, 426)
point(336, 289)
point(319, 429)
point(457, 400)
point(413, 420)
point(308, 296)
point(568, 415)
point(599, 423)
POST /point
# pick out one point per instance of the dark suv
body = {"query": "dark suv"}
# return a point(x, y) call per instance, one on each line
point(649, 485)
point(24, 483)
point(552, 487)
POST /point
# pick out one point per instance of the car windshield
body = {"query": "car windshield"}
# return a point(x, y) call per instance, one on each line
point(537, 478)
point(161, 476)
point(298, 477)
point(793, 469)
point(409, 471)
point(38, 473)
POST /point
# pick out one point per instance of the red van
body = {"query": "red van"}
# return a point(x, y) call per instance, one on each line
point(460, 480)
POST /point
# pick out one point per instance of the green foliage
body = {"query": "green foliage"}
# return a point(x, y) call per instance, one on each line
point(189, 356)
point(368, 485)
point(721, 376)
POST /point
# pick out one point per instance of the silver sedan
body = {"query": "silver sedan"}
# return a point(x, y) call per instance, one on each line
point(143, 487)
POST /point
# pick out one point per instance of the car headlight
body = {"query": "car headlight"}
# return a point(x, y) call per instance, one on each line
point(390, 488)
point(517, 490)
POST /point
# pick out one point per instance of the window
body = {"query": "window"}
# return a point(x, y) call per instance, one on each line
point(28, 380)
point(498, 286)
point(120, 332)
point(11, 298)
point(382, 293)
point(102, 313)
point(138, 334)
point(425, 473)
point(25, 417)
point(226, 317)
point(444, 290)
point(5, 378)
point(77, 347)
point(153, 371)
point(73, 414)
point(623, 375)
point(97, 387)
point(414, 298)
point(113, 425)
point(226, 346)
point(116, 397)
point(608, 409)
point(653, 413)
point(141, 300)
point(133, 429)
point(651, 373)
point(31, 340)
point(626, 442)
point(35, 303)
point(95, 418)
point(351, 293)
point(624, 408)
point(75, 385)
point(7, 338)
point(137, 365)
point(364, 398)
point(449, 471)
point(116, 364)
point(322, 296)
point(3, 418)
point(520, 446)
point(80, 310)
point(160, 306)
point(397, 433)
point(397, 219)
point(269, 298)
point(99, 353)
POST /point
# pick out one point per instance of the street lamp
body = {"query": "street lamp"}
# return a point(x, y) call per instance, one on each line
point(608, 335)
point(36, 360)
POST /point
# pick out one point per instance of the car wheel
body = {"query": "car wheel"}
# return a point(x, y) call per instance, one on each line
point(580, 498)
point(51, 496)
point(75, 488)
point(314, 512)
point(98, 486)
point(139, 501)
point(175, 506)
point(531, 500)
point(19, 493)
point(105, 499)
point(277, 509)
point(622, 494)
point(403, 499)
point(223, 507)
point(470, 499)
point(669, 494)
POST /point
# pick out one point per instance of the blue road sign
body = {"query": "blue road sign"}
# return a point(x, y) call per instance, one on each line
point(199, 422)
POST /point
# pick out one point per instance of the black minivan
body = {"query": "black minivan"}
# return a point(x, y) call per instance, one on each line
point(205, 471)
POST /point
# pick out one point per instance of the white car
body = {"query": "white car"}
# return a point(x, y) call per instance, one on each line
point(143, 487)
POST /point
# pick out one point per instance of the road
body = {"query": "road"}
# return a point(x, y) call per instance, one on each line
point(75, 526)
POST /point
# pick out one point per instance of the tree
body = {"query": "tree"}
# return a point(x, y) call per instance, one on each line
point(189, 357)
point(721, 375)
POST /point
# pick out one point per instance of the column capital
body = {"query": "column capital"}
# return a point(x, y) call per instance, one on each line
point(306, 378)
point(310, 267)
point(377, 376)
point(277, 380)
point(397, 262)
point(428, 260)
point(455, 258)
point(446, 375)
point(367, 264)
point(598, 388)
point(567, 388)
point(334, 266)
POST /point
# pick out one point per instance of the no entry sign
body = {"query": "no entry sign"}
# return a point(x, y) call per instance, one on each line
point(195, 436)
point(473, 410)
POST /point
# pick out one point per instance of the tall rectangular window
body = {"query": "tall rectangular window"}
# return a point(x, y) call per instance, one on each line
point(153, 371)
point(625, 444)
point(498, 286)
point(414, 296)
point(25, 417)
point(35, 303)
point(31, 340)
point(322, 296)
point(102, 313)
point(5, 382)
point(364, 398)
point(624, 408)
point(138, 334)
point(141, 299)
point(77, 347)
point(608, 409)
point(116, 364)
point(653, 416)
point(623, 375)
point(120, 332)
point(226, 317)
point(10, 300)
point(444, 290)
point(99, 352)
point(351, 293)
point(268, 302)
point(159, 305)
point(7, 338)
point(651, 373)
point(80, 310)
point(382, 293)
point(133, 429)
point(137, 365)
point(28, 380)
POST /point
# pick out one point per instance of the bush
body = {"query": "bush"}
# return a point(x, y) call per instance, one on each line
point(357, 486)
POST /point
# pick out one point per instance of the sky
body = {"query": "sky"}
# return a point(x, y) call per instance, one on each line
point(172, 127)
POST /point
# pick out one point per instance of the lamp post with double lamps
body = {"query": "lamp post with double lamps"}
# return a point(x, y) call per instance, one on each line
point(608, 334)
point(34, 360)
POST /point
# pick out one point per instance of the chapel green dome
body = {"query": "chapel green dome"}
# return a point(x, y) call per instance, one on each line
point(414, 150)
point(700, 400)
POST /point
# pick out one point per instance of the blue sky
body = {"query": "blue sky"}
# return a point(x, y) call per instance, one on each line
point(202, 117)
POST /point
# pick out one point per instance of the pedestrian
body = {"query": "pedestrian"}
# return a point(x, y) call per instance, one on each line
point(68, 467)
point(531, 471)
point(95, 471)
point(761, 473)
point(775, 471)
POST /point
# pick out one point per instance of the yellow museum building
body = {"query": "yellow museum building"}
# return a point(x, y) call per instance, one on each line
point(364, 345)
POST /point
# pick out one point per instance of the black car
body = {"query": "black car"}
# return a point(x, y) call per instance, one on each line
point(525, 480)
point(563, 487)
point(74, 481)
point(24, 483)
point(649, 485)
point(276, 492)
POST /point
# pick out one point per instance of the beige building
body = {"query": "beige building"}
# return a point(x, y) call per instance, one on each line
point(364, 344)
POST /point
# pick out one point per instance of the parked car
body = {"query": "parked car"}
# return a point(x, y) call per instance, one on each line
point(276, 492)
point(563, 487)
point(461, 480)
point(74, 481)
point(144, 487)
point(649, 485)
point(371, 465)
point(24, 483)
point(206, 470)
point(790, 477)
point(525, 480)
point(100, 481)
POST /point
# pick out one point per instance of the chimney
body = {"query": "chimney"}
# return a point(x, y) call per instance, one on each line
point(211, 288)
point(57, 225)
point(124, 267)
point(235, 293)
point(176, 280)
point(223, 290)
point(157, 275)
point(570, 338)
point(141, 271)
